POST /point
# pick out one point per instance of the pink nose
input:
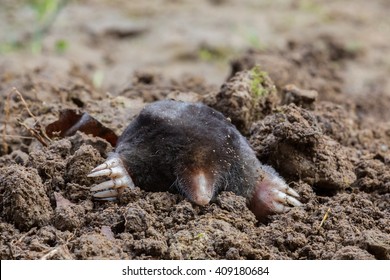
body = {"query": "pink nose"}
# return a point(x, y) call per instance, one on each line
point(202, 189)
point(202, 198)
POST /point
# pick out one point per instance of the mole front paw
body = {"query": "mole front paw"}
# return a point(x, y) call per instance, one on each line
point(113, 168)
point(272, 195)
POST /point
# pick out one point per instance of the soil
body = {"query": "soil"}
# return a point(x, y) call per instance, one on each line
point(305, 81)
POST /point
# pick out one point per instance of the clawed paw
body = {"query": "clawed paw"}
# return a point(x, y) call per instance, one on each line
point(272, 195)
point(113, 168)
point(283, 198)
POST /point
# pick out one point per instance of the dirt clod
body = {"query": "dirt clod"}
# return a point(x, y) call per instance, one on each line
point(246, 97)
point(292, 140)
point(24, 202)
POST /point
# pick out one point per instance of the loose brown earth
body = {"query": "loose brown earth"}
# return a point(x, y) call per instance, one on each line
point(313, 105)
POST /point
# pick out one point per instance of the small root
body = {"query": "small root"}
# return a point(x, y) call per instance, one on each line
point(61, 250)
point(324, 218)
point(38, 132)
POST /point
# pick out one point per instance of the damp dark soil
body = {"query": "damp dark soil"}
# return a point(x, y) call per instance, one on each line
point(315, 106)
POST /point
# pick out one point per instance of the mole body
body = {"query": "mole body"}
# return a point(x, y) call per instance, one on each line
point(194, 150)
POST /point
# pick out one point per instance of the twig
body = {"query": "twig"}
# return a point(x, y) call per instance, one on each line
point(39, 134)
point(11, 251)
point(14, 90)
point(14, 243)
point(324, 218)
point(59, 249)
point(32, 230)
point(34, 133)
point(6, 113)
point(18, 136)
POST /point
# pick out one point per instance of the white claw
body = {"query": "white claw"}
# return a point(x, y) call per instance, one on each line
point(110, 172)
point(293, 201)
point(274, 194)
point(109, 164)
point(103, 186)
point(98, 168)
point(293, 193)
point(282, 187)
point(286, 198)
point(106, 194)
point(120, 179)
point(280, 207)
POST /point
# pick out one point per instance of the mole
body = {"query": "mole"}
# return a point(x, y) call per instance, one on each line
point(193, 150)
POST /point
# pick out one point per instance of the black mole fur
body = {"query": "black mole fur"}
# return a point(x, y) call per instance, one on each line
point(169, 139)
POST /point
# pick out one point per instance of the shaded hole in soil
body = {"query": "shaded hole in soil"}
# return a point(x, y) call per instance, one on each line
point(324, 192)
point(78, 102)
point(348, 190)
point(380, 158)
point(118, 228)
point(51, 243)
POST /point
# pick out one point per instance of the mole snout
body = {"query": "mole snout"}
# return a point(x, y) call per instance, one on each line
point(194, 150)
point(199, 188)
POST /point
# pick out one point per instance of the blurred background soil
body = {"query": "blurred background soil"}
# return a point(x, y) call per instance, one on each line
point(306, 81)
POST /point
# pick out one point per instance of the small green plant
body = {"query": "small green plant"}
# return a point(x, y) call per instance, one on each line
point(254, 40)
point(200, 235)
point(7, 47)
point(44, 8)
point(46, 12)
point(213, 54)
point(61, 46)
point(251, 36)
point(97, 78)
point(313, 7)
point(205, 54)
point(354, 46)
point(310, 6)
point(258, 77)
